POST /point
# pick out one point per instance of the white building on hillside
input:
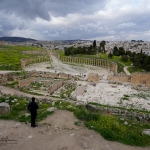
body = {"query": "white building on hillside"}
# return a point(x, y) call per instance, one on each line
point(146, 51)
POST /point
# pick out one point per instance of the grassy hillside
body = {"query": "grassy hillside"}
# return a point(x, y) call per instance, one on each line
point(111, 127)
point(10, 56)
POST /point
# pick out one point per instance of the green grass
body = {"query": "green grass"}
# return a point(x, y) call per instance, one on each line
point(10, 56)
point(121, 107)
point(105, 56)
point(12, 84)
point(19, 73)
point(111, 128)
point(134, 69)
point(60, 52)
point(67, 90)
point(19, 109)
point(26, 91)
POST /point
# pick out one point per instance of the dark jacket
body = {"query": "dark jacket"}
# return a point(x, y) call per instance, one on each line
point(32, 107)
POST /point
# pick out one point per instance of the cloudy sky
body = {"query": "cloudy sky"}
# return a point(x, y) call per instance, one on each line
point(76, 19)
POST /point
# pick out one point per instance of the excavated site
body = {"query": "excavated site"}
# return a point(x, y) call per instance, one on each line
point(77, 83)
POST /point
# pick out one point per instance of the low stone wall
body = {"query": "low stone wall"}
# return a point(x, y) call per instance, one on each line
point(136, 79)
point(50, 75)
point(30, 76)
point(140, 79)
point(119, 78)
point(26, 82)
point(94, 77)
point(5, 77)
point(55, 87)
point(16, 78)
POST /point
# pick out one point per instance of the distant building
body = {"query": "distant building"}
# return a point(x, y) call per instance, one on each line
point(146, 51)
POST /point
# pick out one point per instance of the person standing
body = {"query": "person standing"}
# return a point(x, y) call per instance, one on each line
point(32, 107)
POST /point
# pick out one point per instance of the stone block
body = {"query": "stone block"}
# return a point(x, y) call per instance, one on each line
point(146, 131)
point(93, 77)
point(4, 108)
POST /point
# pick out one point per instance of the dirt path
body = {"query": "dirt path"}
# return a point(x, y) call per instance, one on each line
point(61, 135)
point(11, 91)
point(126, 70)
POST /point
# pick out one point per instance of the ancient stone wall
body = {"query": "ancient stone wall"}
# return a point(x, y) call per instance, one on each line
point(119, 78)
point(140, 79)
point(94, 77)
point(5, 77)
point(55, 87)
point(114, 68)
point(50, 75)
point(39, 59)
point(26, 82)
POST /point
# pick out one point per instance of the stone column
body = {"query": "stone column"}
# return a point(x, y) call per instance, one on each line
point(99, 63)
point(92, 61)
point(96, 62)
point(71, 59)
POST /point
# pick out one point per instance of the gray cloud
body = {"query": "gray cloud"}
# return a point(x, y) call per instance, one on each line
point(80, 19)
point(27, 9)
point(45, 8)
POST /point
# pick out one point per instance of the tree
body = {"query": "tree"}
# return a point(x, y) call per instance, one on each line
point(110, 55)
point(94, 44)
point(116, 51)
point(124, 58)
point(128, 53)
point(121, 51)
point(102, 46)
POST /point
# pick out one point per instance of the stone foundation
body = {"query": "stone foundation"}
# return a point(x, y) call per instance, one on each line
point(55, 87)
point(140, 79)
point(26, 82)
point(119, 78)
point(94, 77)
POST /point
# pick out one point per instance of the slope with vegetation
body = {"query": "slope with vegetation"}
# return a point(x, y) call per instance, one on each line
point(10, 56)
point(110, 127)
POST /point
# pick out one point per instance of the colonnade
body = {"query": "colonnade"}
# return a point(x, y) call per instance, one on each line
point(28, 61)
point(112, 66)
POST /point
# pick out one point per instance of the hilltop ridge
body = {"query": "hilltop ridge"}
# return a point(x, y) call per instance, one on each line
point(16, 39)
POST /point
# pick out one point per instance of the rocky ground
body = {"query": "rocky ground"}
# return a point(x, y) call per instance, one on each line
point(112, 94)
point(56, 132)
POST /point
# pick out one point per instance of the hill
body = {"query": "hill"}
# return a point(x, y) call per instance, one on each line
point(16, 39)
